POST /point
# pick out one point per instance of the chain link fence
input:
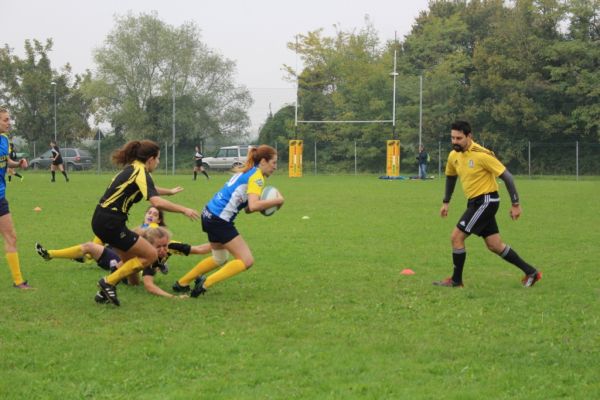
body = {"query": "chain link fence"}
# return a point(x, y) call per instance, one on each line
point(569, 159)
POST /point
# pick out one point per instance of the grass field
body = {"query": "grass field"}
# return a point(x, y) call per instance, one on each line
point(324, 313)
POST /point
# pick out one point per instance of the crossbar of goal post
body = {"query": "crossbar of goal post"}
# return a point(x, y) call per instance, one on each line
point(381, 121)
point(393, 146)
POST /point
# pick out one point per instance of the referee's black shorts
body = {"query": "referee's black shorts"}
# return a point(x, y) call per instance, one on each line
point(110, 227)
point(480, 216)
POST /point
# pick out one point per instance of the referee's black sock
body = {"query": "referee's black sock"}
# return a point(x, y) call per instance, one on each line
point(65, 174)
point(458, 259)
point(205, 174)
point(512, 257)
point(195, 175)
point(53, 174)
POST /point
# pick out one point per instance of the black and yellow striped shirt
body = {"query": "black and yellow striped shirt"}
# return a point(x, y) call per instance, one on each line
point(129, 186)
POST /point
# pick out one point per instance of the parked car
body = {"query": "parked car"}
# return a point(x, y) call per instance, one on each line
point(74, 159)
point(227, 157)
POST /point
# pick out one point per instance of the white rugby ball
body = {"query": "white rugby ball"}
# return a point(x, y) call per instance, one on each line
point(269, 193)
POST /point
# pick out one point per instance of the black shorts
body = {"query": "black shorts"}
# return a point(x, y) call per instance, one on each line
point(480, 216)
point(58, 161)
point(108, 259)
point(111, 229)
point(198, 163)
point(4, 207)
point(217, 229)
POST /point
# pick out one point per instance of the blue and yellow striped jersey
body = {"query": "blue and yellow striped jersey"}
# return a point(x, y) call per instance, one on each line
point(233, 197)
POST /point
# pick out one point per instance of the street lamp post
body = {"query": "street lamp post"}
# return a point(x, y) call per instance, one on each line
point(54, 85)
point(173, 128)
point(420, 108)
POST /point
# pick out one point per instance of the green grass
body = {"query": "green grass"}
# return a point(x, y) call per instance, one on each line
point(324, 313)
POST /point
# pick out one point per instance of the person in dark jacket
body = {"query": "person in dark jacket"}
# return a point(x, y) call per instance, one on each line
point(422, 159)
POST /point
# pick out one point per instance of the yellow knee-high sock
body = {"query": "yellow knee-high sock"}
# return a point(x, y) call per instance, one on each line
point(230, 269)
point(15, 267)
point(132, 265)
point(97, 240)
point(69, 252)
point(204, 266)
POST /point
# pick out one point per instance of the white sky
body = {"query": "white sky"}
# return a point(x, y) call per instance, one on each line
point(253, 33)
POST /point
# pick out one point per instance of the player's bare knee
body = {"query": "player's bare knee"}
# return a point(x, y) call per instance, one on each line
point(248, 261)
point(149, 259)
point(495, 248)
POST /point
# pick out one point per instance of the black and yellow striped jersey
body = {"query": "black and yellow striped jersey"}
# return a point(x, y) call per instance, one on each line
point(129, 186)
point(179, 248)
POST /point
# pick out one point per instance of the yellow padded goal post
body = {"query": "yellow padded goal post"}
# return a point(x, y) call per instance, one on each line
point(295, 162)
point(393, 158)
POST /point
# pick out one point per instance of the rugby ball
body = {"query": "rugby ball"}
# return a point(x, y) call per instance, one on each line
point(269, 193)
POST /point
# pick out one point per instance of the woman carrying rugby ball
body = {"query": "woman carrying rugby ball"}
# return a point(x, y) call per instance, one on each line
point(242, 191)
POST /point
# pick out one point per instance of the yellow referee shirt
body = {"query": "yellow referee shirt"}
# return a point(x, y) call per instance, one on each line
point(477, 169)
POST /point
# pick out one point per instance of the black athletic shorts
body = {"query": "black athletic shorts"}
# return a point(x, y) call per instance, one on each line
point(480, 216)
point(4, 207)
point(217, 229)
point(108, 259)
point(110, 227)
point(198, 163)
point(58, 161)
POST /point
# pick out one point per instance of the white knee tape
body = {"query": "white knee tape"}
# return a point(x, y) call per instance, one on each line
point(220, 256)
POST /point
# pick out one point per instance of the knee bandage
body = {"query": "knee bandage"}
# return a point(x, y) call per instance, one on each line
point(220, 256)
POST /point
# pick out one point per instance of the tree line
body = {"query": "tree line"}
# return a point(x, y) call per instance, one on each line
point(142, 68)
point(520, 71)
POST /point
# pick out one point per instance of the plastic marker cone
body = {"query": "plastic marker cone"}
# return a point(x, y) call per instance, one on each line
point(306, 217)
point(407, 271)
point(37, 209)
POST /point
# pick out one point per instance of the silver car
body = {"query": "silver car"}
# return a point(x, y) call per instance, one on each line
point(227, 157)
point(74, 159)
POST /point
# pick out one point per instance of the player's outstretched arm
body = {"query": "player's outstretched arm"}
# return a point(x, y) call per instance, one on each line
point(168, 192)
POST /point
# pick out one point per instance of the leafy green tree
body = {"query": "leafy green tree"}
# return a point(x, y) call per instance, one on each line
point(28, 91)
point(520, 71)
point(143, 61)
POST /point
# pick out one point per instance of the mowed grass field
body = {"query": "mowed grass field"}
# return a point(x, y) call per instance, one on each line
point(324, 313)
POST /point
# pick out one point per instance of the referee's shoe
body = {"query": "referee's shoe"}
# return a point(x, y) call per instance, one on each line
point(448, 282)
point(531, 279)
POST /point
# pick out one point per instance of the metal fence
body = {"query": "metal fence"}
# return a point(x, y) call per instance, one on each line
point(572, 159)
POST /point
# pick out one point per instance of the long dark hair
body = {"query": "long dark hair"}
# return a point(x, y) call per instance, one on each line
point(255, 154)
point(140, 150)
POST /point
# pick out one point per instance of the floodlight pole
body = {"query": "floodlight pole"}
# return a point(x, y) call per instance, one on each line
point(173, 161)
point(420, 108)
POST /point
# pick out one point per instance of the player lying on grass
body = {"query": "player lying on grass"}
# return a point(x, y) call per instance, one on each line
point(107, 259)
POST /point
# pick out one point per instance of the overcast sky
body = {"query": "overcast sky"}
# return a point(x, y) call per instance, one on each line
point(253, 33)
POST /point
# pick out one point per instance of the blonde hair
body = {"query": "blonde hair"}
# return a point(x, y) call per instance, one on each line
point(154, 234)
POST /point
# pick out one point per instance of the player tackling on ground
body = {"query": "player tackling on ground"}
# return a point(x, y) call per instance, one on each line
point(477, 168)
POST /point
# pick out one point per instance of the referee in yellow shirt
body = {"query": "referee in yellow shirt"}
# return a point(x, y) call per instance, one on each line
point(477, 168)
